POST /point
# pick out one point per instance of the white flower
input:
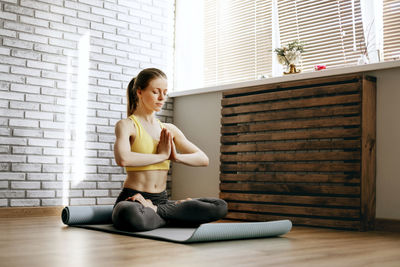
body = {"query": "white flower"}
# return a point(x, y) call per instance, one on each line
point(293, 56)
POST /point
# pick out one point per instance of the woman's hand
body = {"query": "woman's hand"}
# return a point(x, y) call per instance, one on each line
point(174, 155)
point(164, 146)
point(189, 154)
point(145, 202)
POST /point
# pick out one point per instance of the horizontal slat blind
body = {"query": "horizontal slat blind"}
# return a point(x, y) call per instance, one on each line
point(237, 40)
point(238, 35)
point(294, 151)
point(326, 29)
point(391, 29)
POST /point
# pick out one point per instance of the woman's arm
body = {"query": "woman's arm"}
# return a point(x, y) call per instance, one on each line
point(184, 151)
point(122, 147)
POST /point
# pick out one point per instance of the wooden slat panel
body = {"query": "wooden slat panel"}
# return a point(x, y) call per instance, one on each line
point(296, 93)
point(293, 146)
point(286, 177)
point(279, 157)
point(299, 103)
point(292, 167)
point(343, 224)
point(301, 148)
point(298, 124)
point(292, 188)
point(310, 82)
point(292, 135)
point(293, 114)
point(368, 152)
point(291, 199)
point(295, 210)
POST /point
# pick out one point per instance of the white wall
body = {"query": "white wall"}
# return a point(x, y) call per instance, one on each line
point(388, 144)
point(199, 117)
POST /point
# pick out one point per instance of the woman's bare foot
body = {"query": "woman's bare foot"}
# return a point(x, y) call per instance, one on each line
point(183, 200)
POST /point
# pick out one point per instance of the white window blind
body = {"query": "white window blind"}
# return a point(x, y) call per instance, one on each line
point(391, 29)
point(237, 37)
point(331, 31)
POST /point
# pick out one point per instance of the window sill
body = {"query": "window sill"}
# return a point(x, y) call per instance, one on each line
point(292, 77)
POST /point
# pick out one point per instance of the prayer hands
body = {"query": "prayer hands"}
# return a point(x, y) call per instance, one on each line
point(166, 145)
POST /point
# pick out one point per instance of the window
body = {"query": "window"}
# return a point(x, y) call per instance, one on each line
point(332, 31)
point(228, 41)
point(237, 38)
point(391, 29)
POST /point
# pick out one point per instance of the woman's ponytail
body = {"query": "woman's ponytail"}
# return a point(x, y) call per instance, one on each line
point(131, 95)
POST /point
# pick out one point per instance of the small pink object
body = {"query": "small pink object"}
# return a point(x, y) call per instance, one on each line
point(319, 67)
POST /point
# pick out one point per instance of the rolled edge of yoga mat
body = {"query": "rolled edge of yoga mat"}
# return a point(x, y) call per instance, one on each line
point(244, 230)
point(101, 214)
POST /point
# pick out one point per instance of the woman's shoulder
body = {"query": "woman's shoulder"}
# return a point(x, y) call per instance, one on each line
point(172, 128)
point(169, 126)
point(125, 125)
point(124, 122)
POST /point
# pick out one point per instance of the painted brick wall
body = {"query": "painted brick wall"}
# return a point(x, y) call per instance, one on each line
point(64, 67)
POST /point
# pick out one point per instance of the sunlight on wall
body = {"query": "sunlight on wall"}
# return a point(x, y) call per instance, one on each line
point(76, 119)
point(67, 135)
point(189, 66)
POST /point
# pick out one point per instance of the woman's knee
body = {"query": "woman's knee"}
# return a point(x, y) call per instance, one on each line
point(211, 208)
point(222, 208)
point(129, 215)
point(218, 207)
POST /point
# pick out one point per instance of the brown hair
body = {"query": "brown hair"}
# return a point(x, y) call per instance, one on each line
point(140, 82)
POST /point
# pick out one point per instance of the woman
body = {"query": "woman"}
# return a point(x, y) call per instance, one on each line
point(145, 147)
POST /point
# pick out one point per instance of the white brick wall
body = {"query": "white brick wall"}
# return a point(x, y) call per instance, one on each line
point(41, 93)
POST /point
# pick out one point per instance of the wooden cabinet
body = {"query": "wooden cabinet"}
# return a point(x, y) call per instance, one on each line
point(301, 150)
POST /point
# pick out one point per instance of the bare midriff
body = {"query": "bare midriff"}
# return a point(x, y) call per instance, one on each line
point(154, 181)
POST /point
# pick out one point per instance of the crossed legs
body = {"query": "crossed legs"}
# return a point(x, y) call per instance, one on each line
point(130, 215)
point(133, 216)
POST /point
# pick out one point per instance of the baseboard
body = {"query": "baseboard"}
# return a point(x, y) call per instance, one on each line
point(388, 225)
point(21, 212)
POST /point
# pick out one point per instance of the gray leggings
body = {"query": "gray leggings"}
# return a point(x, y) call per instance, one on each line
point(133, 216)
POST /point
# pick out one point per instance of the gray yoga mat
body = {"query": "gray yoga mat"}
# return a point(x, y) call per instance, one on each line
point(99, 218)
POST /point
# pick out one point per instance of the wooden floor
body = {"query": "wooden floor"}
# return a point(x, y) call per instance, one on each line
point(45, 241)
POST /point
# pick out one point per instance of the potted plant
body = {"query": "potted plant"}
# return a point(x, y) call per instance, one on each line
point(290, 55)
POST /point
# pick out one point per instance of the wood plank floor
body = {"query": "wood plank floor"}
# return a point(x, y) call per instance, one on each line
point(45, 242)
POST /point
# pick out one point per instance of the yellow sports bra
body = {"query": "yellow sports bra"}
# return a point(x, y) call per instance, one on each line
point(144, 143)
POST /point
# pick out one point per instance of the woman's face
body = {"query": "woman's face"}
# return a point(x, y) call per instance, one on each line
point(155, 94)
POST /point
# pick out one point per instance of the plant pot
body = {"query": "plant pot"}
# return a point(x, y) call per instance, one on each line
point(292, 69)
